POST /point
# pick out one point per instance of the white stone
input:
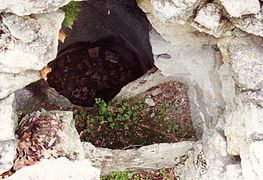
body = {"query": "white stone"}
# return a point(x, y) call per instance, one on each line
point(22, 8)
point(156, 92)
point(23, 28)
point(235, 129)
point(195, 64)
point(149, 157)
point(69, 142)
point(237, 8)
point(150, 102)
point(168, 11)
point(246, 62)
point(252, 161)
point(58, 169)
point(12, 82)
point(8, 118)
point(233, 171)
point(250, 23)
point(7, 155)
point(36, 44)
point(208, 20)
point(209, 16)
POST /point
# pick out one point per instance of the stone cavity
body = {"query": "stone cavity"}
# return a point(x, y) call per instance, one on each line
point(214, 48)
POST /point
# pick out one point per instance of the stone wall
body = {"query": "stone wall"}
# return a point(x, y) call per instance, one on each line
point(27, 43)
point(215, 47)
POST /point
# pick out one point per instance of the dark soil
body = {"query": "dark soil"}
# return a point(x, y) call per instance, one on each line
point(85, 72)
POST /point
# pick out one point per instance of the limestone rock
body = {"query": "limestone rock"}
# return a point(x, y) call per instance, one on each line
point(246, 62)
point(209, 16)
point(235, 129)
point(252, 161)
point(209, 20)
point(250, 23)
point(70, 143)
point(174, 10)
point(174, 32)
point(7, 155)
point(241, 7)
point(233, 171)
point(58, 169)
point(197, 65)
point(22, 8)
point(154, 156)
point(23, 28)
point(12, 82)
point(156, 92)
point(149, 101)
point(32, 96)
point(8, 118)
point(37, 41)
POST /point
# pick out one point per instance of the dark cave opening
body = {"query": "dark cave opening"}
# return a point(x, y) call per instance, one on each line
point(107, 48)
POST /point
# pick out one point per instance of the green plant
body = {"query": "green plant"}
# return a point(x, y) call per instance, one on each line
point(71, 11)
point(120, 175)
point(164, 172)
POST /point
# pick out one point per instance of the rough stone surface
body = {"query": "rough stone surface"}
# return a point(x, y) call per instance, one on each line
point(32, 96)
point(70, 143)
point(58, 169)
point(37, 41)
point(197, 65)
point(174, 10)
point(12, 82)
point(7, 155)
point(251, 24)
point(8, 118)
point(156, 91)
point(149, 157)
point(174, 32)
point(23, 28)
point(241, 7)
point(22, 8)
point(246, 62)
point(149, 101)
point(209, 19)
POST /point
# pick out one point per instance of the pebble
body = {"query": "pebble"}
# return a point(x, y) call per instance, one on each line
point(149, 101)
point(156, 91)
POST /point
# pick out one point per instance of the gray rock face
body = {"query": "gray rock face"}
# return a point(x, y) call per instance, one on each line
point(174, 10)
point(8, 118)
point(13, 82)
point(154, 156)
point(209, 16)
point(241, 7)
point(7, 155)
point(22, 8)
point(247, 62)
point(58, 169)
point(209, 19)
point(37, 40)
point(23, 28)
point(251, 24)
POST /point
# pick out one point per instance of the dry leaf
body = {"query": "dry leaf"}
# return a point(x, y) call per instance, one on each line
point(62, 36)
point(171, 83)
point(44, 72)
point(26, 135)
